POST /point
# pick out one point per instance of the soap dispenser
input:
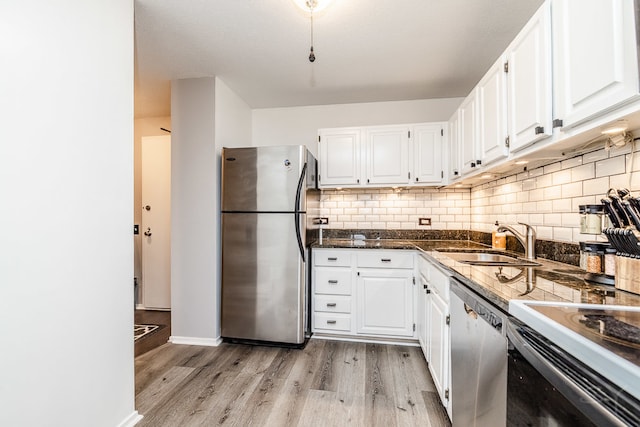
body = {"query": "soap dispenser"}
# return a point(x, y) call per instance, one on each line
point(498, 239)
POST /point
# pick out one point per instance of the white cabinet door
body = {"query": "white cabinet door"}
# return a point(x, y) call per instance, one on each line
point(422, 313)
point(468, 132)
point(387, 155)
point(427, 154)
point(595, 57)
point(454, 146)
point(438, 344)
point(339, 157)
point(529, 81)
point(492, 114)
point(384, 303)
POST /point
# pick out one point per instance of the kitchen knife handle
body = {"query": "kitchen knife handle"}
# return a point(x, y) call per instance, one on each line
point(632, 214)
point(613, 216)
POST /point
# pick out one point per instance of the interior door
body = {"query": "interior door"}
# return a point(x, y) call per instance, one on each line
point(156, 222)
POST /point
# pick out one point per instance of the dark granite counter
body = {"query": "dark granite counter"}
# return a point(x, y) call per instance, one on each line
point(551, 281)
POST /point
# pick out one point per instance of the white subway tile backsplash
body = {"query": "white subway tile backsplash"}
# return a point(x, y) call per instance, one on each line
point(573, 189)
point(594, 156)
point(553, 167)
point(573, 162)
point(562, 205)
point(612, 166)
point(580, 173)
point(562, 234)
point(561, 177)
point(551, 193)
point(546, 197)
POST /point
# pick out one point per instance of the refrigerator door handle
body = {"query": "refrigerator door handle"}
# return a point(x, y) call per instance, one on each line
point(297, 211)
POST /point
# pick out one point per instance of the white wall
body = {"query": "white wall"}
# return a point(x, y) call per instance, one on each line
point(299, 125)
point(194, 212)
point(66, 215)
point(233, 118)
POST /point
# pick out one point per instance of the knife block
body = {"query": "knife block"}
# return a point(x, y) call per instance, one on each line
point(628, 274)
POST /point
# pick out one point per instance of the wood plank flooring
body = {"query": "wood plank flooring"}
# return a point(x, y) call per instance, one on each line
point(329, 383)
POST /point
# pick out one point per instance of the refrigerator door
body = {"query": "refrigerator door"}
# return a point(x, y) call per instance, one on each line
point(264, 179)
point(263, 278)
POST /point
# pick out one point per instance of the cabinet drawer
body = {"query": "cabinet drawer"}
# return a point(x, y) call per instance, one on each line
point(385, 259)
point(332, 303)
point(336, 258)
point(332, 322)
point(336, 281)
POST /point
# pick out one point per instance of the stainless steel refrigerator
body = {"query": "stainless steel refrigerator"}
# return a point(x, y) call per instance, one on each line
point(268, 194)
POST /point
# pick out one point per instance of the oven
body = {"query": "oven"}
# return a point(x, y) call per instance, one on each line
point(548, 386)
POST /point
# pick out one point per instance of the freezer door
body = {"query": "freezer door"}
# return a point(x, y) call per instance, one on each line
point(263, 179)
point(263, 278)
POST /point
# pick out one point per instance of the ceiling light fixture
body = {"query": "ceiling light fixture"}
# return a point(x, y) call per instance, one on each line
point(312, 6)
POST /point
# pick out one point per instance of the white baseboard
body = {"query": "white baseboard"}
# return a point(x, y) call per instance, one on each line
point(370, 340)
point(131, 420)
point(211, 342)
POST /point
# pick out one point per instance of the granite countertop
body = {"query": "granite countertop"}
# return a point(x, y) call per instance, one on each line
point(551, 281)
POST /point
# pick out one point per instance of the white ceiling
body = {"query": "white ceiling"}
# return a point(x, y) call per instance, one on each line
point(366, 50)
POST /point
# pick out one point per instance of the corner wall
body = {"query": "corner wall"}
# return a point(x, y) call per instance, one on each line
point(194, 213)
point(66, 216)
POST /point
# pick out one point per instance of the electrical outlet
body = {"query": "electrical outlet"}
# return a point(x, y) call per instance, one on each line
point(424, 221)
point(321, 221)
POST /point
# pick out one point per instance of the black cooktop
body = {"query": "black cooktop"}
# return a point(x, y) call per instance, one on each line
point(617, 330)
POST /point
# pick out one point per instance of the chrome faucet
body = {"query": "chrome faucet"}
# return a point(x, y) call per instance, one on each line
point(528, 240)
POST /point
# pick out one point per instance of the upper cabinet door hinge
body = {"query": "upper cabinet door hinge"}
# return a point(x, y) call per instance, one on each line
point(318, 138)
point(441, 132)
point(506, 142)
point(506, 67)
point(408, 134)
point(448, 319)
point(441, 174)
point(414, 280)
point(414, 327)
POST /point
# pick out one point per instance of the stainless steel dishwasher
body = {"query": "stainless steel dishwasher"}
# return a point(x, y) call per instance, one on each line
point(478, 360)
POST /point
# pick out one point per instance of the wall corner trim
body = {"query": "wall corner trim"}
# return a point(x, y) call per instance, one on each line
point(133, 419)
point(211, 342)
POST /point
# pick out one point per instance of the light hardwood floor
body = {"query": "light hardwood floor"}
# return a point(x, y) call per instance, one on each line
point(329, 383)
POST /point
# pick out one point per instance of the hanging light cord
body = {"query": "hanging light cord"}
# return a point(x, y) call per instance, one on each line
point(311, 4)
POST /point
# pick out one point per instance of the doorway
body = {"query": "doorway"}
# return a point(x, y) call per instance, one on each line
point(155, 229)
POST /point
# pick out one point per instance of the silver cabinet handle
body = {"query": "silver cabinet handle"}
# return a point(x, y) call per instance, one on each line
point(331, 322)
point(333, 282)
point(331, 304)
point(332, 258)
point(386, 260)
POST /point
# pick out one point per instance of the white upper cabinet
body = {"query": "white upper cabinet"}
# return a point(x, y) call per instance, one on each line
point(529, 81)
point(492, 114)
point(595, 58)
point(387, 155)
point(468, 132)
point(427, 154)
point(381, 156)
point(339, 154)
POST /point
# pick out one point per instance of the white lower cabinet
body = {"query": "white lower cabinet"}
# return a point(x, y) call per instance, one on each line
point(363, 293)
point(433, 326)
point(385, 302)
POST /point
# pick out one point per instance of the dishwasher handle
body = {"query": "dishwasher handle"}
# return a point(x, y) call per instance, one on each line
point(475, 306)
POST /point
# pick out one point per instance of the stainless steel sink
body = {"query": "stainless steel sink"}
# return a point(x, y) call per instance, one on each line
point(490, 259)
